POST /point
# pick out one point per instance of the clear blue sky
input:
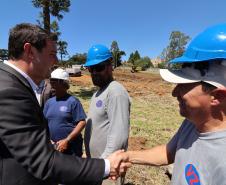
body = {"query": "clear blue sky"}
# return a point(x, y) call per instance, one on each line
point(143, 25)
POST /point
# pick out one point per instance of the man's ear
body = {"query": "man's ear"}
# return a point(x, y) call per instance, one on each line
point(28, 51)
point(218, 96)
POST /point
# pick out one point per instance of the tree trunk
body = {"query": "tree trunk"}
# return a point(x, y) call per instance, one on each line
point(61, 57)
point(46, 15)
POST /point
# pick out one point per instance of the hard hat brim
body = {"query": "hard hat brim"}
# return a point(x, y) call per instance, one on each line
point(181, 77)
point(95, 62)
point(183, 59)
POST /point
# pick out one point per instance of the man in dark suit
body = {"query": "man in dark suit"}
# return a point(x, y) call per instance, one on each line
point(26, 154)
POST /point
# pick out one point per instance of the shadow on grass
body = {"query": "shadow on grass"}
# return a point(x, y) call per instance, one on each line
point(84, 93)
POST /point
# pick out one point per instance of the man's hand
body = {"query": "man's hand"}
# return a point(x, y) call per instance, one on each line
point(62, 145)
point(118, 164)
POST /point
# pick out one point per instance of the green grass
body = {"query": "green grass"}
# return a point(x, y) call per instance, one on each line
point(155, 118)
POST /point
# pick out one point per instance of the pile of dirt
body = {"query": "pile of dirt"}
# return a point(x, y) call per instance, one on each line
point(137, 143)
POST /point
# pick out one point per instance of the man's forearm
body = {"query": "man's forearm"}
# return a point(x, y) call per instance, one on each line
point(76, 131)
point(156, 156)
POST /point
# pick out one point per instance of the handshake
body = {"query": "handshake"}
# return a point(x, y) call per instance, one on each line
point(119, 162)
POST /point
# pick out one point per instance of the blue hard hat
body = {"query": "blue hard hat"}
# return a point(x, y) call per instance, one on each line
point(208, 45)
point(97, 54)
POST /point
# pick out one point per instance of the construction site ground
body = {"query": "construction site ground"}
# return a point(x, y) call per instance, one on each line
point(137, 84)
point(154, 116)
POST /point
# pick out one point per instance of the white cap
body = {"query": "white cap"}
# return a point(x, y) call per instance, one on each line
point(215, 75)
point(60, 74)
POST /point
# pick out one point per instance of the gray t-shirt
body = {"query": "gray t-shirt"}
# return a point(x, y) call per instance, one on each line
point(108, 121)
point(200, 158)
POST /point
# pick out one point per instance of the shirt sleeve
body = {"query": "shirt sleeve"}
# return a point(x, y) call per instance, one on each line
point(107, 168)
point(118, 110)
point(172, 144)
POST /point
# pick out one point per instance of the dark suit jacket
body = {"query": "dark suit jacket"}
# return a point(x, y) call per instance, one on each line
point(26, 154)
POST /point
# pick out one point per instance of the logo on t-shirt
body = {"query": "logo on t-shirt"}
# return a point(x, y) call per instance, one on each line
point(63, 108)
point(99, 103)
point(191, 174)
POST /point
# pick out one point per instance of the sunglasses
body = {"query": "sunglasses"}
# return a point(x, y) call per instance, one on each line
point(97, 68)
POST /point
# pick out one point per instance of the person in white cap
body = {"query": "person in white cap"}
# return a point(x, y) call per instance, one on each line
point(65, 115)
point(198, 149)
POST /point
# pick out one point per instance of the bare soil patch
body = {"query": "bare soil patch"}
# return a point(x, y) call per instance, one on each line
point(137, 84)
point(137, 143)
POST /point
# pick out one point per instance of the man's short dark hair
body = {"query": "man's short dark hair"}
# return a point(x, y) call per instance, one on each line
point(27, 33)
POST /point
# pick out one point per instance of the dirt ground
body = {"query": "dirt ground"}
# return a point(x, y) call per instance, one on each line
point(137, 84)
